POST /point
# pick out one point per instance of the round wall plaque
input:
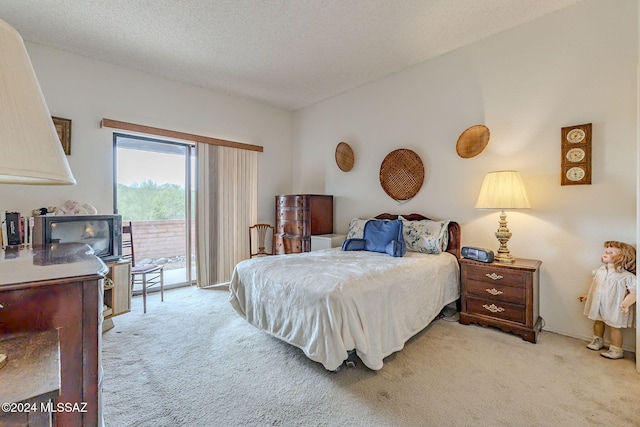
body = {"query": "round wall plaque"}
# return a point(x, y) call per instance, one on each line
point(472, 141)
point(344, 157)
point(401, 174)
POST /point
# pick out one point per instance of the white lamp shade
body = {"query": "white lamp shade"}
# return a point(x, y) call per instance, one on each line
point(30, 150)
point(503, 190)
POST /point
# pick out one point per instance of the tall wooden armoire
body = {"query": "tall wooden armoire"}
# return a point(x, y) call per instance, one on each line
point(298, 217)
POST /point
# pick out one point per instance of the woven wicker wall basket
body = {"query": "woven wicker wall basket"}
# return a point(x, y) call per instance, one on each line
point(472, 141)
point(344, 157)
point(401, 174)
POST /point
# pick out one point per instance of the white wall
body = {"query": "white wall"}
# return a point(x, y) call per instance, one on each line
point(85, 91)
point(638, 181)
point(575, 66)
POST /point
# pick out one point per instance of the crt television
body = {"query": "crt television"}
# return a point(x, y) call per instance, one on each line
point(103, 233)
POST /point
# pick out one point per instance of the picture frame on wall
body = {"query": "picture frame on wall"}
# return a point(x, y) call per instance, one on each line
point(63, 128)
point(576, 155)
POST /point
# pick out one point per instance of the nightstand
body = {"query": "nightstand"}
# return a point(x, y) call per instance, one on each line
point(326, 241)
point(502, 295)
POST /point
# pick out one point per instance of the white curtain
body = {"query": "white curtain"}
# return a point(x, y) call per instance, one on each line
point(226, 205)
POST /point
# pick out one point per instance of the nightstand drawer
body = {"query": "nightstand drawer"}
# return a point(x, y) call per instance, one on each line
point(502, 295)
point(497, 275)
point(496, 292)
point(497, 309)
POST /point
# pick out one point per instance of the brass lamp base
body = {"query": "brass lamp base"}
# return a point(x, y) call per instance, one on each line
point(503, 235)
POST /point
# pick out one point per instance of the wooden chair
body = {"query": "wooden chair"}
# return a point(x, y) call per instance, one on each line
point(144, 274)
point(264, 233)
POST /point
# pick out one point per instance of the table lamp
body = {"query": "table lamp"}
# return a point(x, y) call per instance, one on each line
point(30, 150)
point(503, 190)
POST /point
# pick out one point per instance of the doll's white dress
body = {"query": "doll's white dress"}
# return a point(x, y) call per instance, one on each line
point(608, 289)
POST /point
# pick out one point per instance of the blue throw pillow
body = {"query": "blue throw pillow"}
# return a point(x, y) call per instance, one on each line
point(380, 236)
point(354, 245)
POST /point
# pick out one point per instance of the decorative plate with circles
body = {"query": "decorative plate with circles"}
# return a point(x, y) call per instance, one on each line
point(575, 136)
point(575, 174)
point(576, 155)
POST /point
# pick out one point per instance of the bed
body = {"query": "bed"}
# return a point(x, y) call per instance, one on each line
point(335, 304)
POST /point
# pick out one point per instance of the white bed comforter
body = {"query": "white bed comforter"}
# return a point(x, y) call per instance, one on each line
point(329, 302)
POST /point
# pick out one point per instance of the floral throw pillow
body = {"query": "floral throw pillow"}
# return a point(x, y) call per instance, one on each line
point(356, 228)
point(426, 236)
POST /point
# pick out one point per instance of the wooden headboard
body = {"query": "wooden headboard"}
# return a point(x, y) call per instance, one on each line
point(454, 230)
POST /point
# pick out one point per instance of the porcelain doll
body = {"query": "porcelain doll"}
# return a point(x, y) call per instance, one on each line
point(611, 296)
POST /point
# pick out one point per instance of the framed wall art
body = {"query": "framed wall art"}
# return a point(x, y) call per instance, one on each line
point(576, 155)
point(63, 128)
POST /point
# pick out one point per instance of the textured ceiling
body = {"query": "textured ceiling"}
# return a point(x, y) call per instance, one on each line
point(288, 53)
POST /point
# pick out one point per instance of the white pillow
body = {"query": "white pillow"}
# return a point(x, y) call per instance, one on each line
point(426, 236)
point(356, 228)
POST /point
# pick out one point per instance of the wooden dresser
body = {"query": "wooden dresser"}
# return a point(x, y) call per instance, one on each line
point(298, 217)
point(502, 295)
point(58, 288)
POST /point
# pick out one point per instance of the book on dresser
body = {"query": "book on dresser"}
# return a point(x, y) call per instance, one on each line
point(298, 217)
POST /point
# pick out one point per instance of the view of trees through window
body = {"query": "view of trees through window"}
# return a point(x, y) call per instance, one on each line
point(151, 201)
point(151, 178)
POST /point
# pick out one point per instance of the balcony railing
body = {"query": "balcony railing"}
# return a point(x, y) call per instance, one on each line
point(163, 242)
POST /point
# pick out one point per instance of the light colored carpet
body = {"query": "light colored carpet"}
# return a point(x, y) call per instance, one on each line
point(192, 361)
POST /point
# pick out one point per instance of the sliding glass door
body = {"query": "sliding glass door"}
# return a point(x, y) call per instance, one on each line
point(154, 189)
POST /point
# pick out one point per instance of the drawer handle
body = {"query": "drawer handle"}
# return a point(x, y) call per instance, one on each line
point(492, 308)
point(493, 276)
point(494, 291)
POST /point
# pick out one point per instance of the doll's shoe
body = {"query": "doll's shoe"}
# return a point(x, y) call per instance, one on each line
point(613, 353)
point(596, 343)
